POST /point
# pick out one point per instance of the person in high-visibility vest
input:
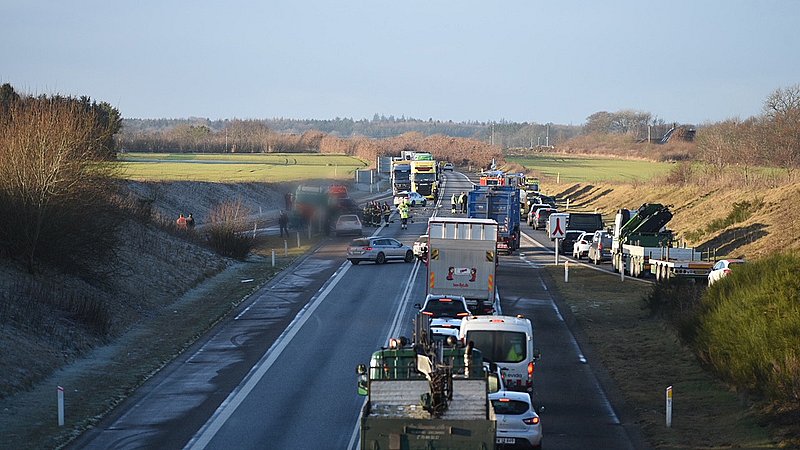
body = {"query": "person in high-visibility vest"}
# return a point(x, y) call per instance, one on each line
point(453, 203)
point(403, 210)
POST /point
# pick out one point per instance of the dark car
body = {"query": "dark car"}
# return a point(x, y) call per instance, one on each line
point(600, 248)
point(568, 240)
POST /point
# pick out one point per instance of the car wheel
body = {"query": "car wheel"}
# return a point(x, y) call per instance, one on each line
point(413, 203)
point(425, 203)
point(354, 262)
point(380, 259)
point(409, 256)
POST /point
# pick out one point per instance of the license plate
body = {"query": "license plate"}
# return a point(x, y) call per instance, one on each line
point(506, 441)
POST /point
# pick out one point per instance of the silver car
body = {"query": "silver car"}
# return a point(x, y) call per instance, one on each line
point(378, 249)
point(518, 425)
point(348, 224)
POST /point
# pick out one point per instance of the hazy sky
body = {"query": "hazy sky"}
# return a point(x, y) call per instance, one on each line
point(557, 61)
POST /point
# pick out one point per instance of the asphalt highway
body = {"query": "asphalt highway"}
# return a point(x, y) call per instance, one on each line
point(281, 373)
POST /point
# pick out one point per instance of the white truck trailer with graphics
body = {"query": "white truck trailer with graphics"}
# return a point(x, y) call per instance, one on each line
point(462, 260)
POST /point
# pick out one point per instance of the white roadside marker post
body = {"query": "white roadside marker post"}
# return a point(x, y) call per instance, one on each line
point(273, 257)
point(285, 247)
point(298, 239)
point(566, 271)
point(60, 406)
point(669, 407)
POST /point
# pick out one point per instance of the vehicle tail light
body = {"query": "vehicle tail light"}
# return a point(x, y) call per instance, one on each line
point(531, 368)
point(504, 400)
point(531, 420)
point(366, 248)
point(427, 313)
point(599, 245)
point(726, 272)
point(462, 314)
point(445, 300)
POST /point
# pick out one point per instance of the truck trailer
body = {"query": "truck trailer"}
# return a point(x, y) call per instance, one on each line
point(462, 260)
point(501, 204)
point(642, 244)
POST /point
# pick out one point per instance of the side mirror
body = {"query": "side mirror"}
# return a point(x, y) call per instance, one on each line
point(537, 354)
point(417, 306)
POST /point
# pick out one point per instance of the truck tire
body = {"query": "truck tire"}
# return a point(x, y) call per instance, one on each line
point(380, 259)
point(409, 256)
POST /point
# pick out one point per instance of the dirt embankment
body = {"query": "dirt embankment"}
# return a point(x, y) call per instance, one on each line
point(151, 268)
point(773, 224)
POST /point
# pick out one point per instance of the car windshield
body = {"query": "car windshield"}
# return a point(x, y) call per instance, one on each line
point(500, 346)
point(444, 308)
point(353, 219)
point(507, 406)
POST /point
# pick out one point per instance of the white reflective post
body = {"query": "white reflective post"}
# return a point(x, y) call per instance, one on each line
point(566, 271)
point(273, 257)
point(285, 247)
point(298, 239)
point(60, 406)
point(669, 407)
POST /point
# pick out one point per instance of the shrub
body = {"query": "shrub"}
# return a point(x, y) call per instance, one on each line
point(749, 328)
point(226, 230)
point(678, 301)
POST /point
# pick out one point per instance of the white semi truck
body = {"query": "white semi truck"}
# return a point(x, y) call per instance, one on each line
point(462, 260)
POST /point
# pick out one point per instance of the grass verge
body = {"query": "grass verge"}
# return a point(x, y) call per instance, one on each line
point(643, 356)
point(97, 383)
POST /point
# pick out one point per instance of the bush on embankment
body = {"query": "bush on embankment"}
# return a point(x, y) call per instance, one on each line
point(749, 328)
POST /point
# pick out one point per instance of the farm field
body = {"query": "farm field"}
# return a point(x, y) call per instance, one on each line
point(250, 167)
point(581, 169)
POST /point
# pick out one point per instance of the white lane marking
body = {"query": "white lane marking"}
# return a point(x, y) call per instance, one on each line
point(394, 329)
point(581, 358)
point(235, 398)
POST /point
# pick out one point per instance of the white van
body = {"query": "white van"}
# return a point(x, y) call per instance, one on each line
point(506, 341)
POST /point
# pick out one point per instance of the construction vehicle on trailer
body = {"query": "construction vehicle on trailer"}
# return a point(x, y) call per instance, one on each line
point(424, 178)
point(501, 204)
point(462, 260)
point(642, 244)
point(432, 395)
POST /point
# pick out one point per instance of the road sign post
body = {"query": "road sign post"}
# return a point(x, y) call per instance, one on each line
point(558, 228)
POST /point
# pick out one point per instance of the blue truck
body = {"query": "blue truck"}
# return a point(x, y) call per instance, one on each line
point(500, 203)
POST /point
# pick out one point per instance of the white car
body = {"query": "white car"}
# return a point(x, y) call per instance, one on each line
point(445, 313)
point(581, 246)
point(722, 269)
point(414, 198)
point(420, 247)
point(348, 224)
point(448, 166)
point(518, 425)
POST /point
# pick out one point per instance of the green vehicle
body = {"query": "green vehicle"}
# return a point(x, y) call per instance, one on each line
point(427, 397)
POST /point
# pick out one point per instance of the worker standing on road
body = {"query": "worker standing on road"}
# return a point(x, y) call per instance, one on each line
point(463, 200)
point(453, 203)
point(190, 222)
point(283, 223)
point(387, 211)
point(181, 222)
point(403, 210)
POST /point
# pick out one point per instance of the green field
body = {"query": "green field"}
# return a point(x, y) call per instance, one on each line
point(250, 167)
point(581, 169)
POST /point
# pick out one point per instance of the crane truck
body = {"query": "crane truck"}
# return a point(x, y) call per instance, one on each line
point(642, 244)
point(429, 395)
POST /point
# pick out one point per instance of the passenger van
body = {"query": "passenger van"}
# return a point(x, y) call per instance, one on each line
point(506, 341)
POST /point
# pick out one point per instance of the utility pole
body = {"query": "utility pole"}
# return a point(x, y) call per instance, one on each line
point(492, 133)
